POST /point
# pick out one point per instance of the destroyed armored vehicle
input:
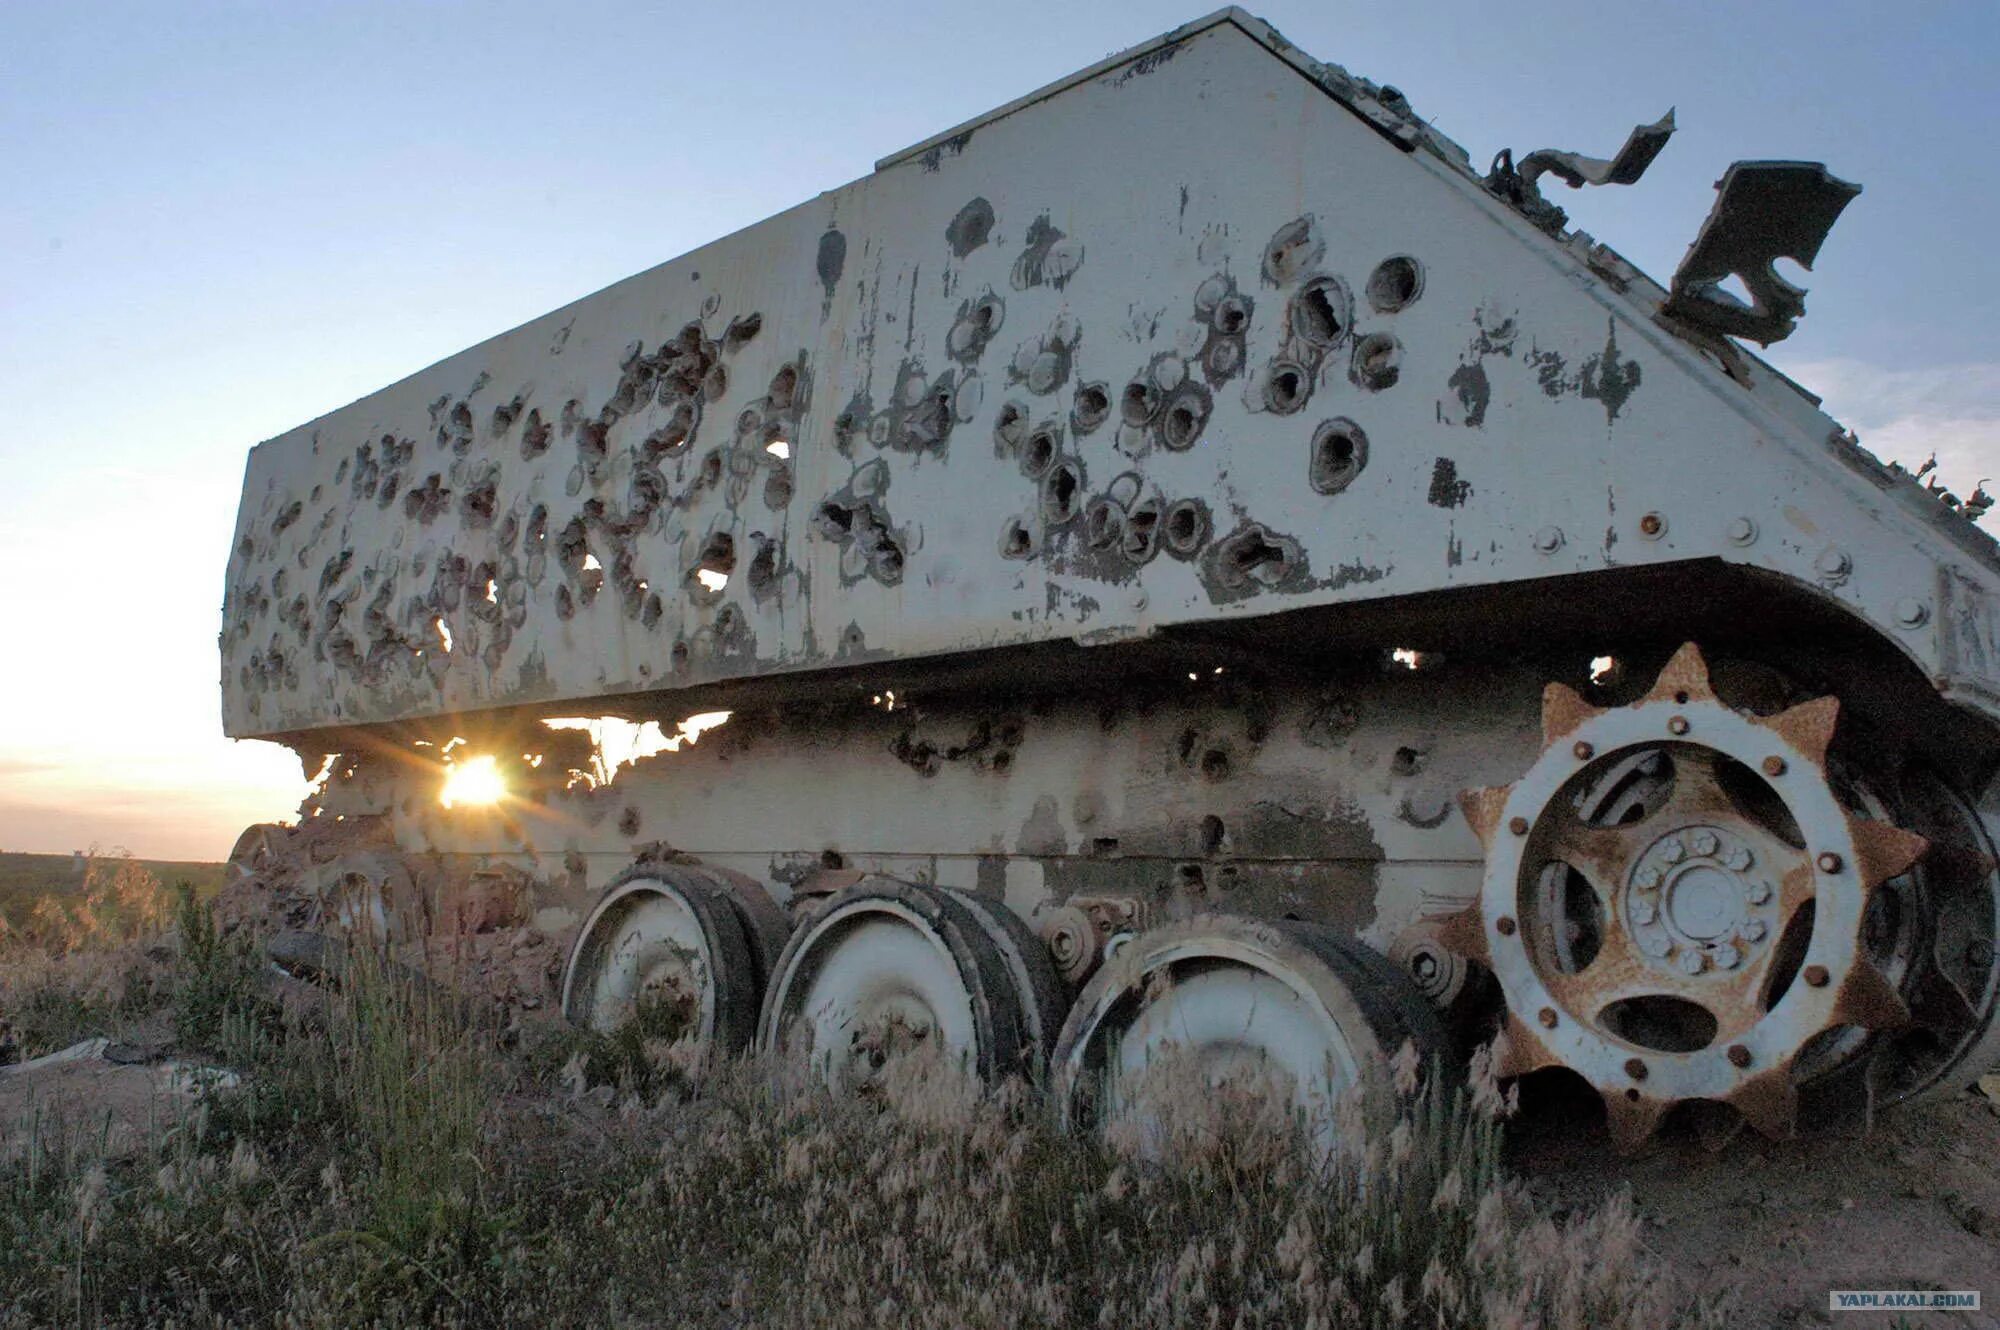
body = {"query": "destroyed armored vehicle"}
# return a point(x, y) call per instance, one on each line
point(1181, 562)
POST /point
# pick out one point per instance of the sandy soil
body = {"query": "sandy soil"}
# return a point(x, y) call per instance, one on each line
point(1776, 1224)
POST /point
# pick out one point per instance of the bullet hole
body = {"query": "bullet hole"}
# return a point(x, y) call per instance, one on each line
point(565, 603)
point(1287, 387)
point(885, 560)
point(572, 546)
point(314, 496)
point(715, 384)
point(749, 421)
point(590, 579)
point(1141, 401)
point(739, 332)
point(535, 436)
point(1322, 312)
point(969, 229)
point(653, 610)
point(1010, 427)
point(728, 625)
point(673, 437)
point(1406, 762)
point(1092, 408)
point(1377, 361)
point(1222, 359)
point(1254, 555)
point(244, 548)
point(852, 641)
point(628, 822)
point(538, 525)
point(457, 431)
point(1339, 452)
point(1215, 764)
point(1015, 540)
point(290, 514)
point(1186, 528)
point(1141, 539)
point(1293, 251)
point(1186, 416)
point(1104, 847)
point(784, 388)
point(1212, 834)
point(1039, 453)
point(763, 574)
point(978, 320)
point(778, 486)
point(1046, 258)
point(1060, 488)
point(572, 412)
point(505, 414)
point(428, 501)
point(1103, 524)
point(334, 569)
point(710, 473)
point(834, 521)
point(712, 567)
point(679, 656)
point(477, 504)
point(391, 483)
point(1395, 283)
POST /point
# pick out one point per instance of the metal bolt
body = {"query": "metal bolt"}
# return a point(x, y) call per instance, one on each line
point(1739, 1056)
point(1738, 859)
point(1741, 531)
point(1547, 1016)
point(1505, 923)
point(1519, 826)
point(1584, 752)
point(1726, 957)
point(1774, 766)
point(1834, 565)
point(1704, 842)
point(1678, 725)
point(1643, 912)
point(1652, 526)
point(1635, 1069)
point(1647, 878)
point(1549, 539)
point(1656, 945)
point(1693, 961)
point(1816, 976)
point(1757, 892)
point(1752, 930)
point(1672, 850)
point(1828, 862)
point(1912, 613)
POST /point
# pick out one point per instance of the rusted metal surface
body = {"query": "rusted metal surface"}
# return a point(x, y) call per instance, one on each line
point(1519, 185)
point(1677, 893)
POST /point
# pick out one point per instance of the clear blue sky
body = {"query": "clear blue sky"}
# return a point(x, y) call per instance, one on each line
point(218, 221)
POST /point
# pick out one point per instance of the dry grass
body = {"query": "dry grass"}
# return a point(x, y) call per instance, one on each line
point(386, 1163)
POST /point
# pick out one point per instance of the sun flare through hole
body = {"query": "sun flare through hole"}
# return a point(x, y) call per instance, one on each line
point(473, 783)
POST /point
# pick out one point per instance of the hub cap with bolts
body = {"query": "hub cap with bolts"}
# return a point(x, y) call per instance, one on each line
point(1652, 880)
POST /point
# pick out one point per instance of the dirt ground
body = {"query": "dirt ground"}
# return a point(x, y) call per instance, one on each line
point(1913, 1204)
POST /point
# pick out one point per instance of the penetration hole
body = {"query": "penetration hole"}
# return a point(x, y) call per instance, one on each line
point(1093, 406)
point(1016, 542)
point(1187, 528)
point(1140, 402)
point(1395, 283)
point(1060, 488)
point(1320, 315)
point(1103, 524)
point(1339, 452)
point(1285, 390)
point(1038, 454)
point(1377, 361)
point(1183, 422)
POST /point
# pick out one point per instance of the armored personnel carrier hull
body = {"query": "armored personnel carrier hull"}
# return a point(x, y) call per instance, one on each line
point(1181, 562)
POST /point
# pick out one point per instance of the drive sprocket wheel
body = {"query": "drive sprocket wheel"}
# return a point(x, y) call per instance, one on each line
point(1674, 902)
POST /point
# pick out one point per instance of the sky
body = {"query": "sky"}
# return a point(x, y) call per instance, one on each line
point(218, 221)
